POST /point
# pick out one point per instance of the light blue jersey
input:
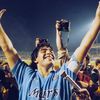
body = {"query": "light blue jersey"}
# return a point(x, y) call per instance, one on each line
point(32, 86)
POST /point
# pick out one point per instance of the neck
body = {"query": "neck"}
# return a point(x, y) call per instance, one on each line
point(44, 71)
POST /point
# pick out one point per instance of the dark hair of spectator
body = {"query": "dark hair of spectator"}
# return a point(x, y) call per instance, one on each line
point(88, 57)
point(97, 61)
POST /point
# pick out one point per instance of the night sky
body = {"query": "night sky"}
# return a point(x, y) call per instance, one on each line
point(25, 20)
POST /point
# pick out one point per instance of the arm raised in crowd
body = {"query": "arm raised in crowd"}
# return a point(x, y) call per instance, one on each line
point(89, 38)
point(59, 43)
point(7, 46)
point(63, 54)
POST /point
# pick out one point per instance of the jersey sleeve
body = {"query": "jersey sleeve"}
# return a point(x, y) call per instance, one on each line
point(70, 67)
point(19, 71)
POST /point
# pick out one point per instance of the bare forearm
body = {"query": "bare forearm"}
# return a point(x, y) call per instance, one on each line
point(59, 41)
point(92, 33)
point(4, 40)
point(88, 39)
point(7, 47)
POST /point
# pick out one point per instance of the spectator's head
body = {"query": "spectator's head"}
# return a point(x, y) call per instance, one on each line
point(39, 40)
point(86, 61)
point(43, 55)
point(97, 62)
point(6, 66)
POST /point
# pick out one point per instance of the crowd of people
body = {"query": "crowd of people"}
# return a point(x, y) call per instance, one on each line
point(8, 85)
point(41, 80)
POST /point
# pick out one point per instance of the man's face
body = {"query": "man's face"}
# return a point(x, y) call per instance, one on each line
point(45, 57)
point(98, 66)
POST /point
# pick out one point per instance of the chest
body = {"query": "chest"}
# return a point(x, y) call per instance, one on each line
point(45, 88)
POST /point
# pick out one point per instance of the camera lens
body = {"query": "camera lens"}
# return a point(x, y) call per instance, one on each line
point(94, 75)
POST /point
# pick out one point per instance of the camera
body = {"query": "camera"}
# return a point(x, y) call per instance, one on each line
point(95, 75)
point(64, 25)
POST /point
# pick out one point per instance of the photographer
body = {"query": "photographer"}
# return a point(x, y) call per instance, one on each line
point(63, 54)
point(93, 87)
point(83, 76)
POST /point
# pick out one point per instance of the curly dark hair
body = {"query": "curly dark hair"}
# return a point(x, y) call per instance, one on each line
point(35, 53)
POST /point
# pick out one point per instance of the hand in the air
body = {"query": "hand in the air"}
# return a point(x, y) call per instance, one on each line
point(2, 12)
point(98, 11)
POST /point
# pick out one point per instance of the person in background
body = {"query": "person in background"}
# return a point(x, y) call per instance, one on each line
point(83, 76)
point(97, 63)
point(8, 85)
point(40, 40)
point(63, 54)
